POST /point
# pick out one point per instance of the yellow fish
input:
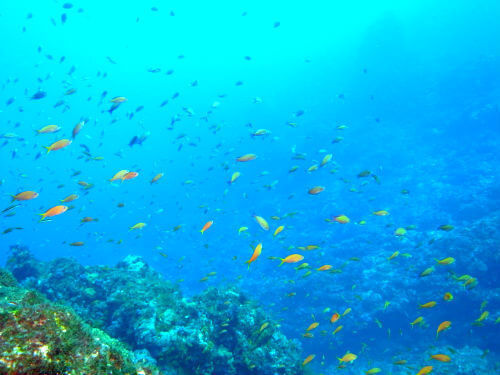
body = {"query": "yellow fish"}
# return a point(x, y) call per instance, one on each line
point(234, 177)
point(483, 316)
point(337, 330)
point(278, 230)
point(308, 359)
point(446, 261)
point(326, 159)
point(262, 222)
point(242, 229)
point(348, 357)
point(312, 326)
point(428, 305)
point(138, 226)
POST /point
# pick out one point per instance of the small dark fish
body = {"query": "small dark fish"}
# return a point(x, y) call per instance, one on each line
point(180, 57)
point(172, 13)
point(9, 101)
point(67, 6)
point(11, 207)
point(154, 9)
point(164, 103)
point(248, 58)
point(154, 70)
point(49, 57)
point(85, 147)
point(169, 72)
point(8, 230)
point(238, 83)
point(38, 156)
point(194, 83)
point(71, 70)
point(39, 95)
point(64, 17)
point(59, 103)
point(39, 49)
point(29, 16)
point(140, 108)
point(113, 108)
point(110, 60)
point(299, 113)
point(176, 95)
point(62, 59)
point(276, 24)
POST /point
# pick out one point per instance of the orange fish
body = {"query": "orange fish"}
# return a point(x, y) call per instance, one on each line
point(316, 190)
point(78, 243)
point(448, 296)
point(129, 176)
point(308, 359)
point(444, 325)
point(294, 258)
point(312, 326)
point(56, 210)
point(335, 317)
point(342, 219)
point(425, 370)
point(77, 128)
point(326, 267)
point(246, 157)
point(25, 196)
point(255, 255)
point(207, 225)
point(441, 357)
point(70, 198)
point(58, 145)
point(156, 178)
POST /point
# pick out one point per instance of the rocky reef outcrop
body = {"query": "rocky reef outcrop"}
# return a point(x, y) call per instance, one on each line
point(217, 332)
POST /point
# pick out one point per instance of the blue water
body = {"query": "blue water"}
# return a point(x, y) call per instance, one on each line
point(417, 85)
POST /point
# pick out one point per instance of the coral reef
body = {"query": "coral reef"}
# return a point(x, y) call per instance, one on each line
point(217, 332)
point(40, 337)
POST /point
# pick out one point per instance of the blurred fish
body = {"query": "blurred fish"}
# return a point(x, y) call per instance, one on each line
point(207, 225)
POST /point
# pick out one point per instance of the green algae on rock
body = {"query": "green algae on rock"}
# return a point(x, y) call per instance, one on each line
point(39, 337)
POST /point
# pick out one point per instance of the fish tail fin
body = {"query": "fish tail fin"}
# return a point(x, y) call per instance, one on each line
point(48, 149)
point(42, 217)
point(282, 261)
point(13, 198)
point(202, 231)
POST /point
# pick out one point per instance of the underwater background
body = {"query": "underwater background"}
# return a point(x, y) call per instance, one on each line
point(359, 142)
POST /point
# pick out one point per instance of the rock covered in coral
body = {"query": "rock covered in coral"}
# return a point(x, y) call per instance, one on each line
point(39, 337)
point(218, 332)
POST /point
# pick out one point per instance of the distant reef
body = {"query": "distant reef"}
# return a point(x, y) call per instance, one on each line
point(218, 332)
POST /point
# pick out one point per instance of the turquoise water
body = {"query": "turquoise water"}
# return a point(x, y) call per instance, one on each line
point(406, 91)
